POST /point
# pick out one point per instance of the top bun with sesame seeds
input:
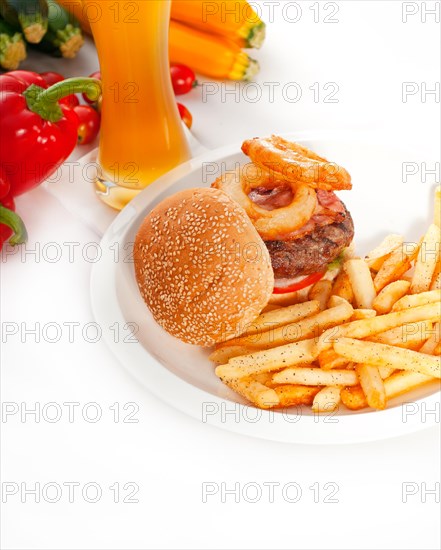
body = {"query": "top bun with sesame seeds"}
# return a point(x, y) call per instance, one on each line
point(202, 268)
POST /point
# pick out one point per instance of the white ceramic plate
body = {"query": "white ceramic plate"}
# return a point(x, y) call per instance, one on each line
point(380, 203)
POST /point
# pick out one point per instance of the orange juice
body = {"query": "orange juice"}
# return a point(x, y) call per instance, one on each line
point(141, 134)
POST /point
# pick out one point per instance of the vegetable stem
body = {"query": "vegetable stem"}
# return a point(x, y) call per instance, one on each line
point(12, 51)
point(45, 102)
point(13, 220)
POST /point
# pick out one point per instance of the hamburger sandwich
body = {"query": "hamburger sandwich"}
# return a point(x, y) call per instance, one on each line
point(208, 260)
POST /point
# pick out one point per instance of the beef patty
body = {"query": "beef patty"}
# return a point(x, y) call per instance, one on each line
point(312, 252)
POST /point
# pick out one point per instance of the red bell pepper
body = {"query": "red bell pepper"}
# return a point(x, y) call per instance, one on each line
point(11, 225)
point(37, 132)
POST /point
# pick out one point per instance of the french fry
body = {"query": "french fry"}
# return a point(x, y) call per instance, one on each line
point(387, 297)
point(299, 353)
point(428, 256)
point(385, 372)
point(311, 376)
point(372, 385)
point(306, 328)
point(395, 265)
point(437, 206)
point(414, 300)
point(378, 255)
point(329, 359)
point(342, 287)
point(263, 378)
point(386, 346)
point(410, 335)
point(293, 395)
point(404, 381)
point(348, 253)
point(335, 301)
point(397, 384)
point(436, 279)
point(381, 323)
point(270, 307)
point(327, 399)
point(377, 354)
point(353, 398)
point(431, 344)
point(222, 355)
point(363, 314)
point(281, 316)
point(361, 282)
point(321, 292)
point(257, 393)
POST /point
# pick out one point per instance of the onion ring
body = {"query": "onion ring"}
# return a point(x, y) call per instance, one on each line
point(294, 163)
point(269, 223)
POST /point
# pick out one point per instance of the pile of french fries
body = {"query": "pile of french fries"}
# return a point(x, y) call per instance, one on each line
point(369, 335)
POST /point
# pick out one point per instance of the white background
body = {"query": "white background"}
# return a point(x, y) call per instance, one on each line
point(369, 53)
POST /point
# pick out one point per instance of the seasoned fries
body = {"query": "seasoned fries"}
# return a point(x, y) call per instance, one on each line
point(410, 335)
point(371, 335)
point(294, 332)
point(437, 207)
point(376, 257)
point(282, 316)
point(372, 385)
point(436, 281)
point(361, 281)
point(223, 354)
point(310, 376)
point(428, 257)
point(299, 353)
point(414, 300)
point(397, 384)
point(377, 354)
point(327, 399)
point(387, 297)
point(291, 395)
point(262, 396)
point(395, 265)
point(342, 287)
point(363, 314)
point(430, 346)
point(321, 292)
point(329, 359)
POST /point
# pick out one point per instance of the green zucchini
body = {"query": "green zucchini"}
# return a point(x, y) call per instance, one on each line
point(64, 37)
point(29, 15)
point(12, 47)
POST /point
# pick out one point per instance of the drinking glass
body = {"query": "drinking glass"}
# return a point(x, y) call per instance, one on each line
point(141, 134)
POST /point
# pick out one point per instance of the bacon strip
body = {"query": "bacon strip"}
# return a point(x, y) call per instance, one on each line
point(329, 208)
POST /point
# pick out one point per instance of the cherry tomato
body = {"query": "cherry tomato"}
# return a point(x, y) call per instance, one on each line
point(183, 79)
point(297, 284)
point(96, 74)
point(89, 124)
point(51, 77)
point(70, 100)
point(185, 115)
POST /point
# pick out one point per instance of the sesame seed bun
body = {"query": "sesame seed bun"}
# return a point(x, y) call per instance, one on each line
point(202, 268)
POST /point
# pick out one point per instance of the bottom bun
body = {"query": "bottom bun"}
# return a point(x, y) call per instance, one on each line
point(202, 268)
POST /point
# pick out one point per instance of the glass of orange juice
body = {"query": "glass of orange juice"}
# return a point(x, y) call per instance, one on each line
point(141, 134)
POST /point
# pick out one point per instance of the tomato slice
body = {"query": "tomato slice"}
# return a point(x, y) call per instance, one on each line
point(283, 286)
